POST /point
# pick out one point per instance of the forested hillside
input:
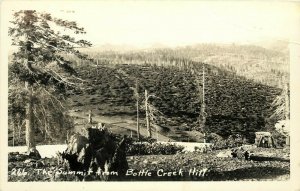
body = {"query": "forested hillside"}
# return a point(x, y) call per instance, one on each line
point(234, 104)
point(238, 93)
point(269, 67)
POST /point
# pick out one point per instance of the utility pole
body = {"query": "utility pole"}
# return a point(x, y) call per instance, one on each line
point(147, 114)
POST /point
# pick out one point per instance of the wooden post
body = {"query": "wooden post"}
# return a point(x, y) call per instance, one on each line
point(147, 115)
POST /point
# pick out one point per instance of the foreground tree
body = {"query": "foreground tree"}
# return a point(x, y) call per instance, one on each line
point(39, 72)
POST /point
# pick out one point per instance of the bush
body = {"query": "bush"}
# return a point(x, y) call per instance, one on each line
point(146, 148)
point(232, 141)
point(280, 140)
point(217, 140)
point(235, 140)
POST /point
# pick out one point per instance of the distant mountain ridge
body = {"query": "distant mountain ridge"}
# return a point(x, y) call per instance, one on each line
point(278, 45)
point(272, 45)
point(265, 66)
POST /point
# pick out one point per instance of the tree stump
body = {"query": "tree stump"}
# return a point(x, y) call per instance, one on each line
point(97, 153)
point(33, 153)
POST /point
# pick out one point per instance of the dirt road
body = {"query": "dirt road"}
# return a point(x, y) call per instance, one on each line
point(122, 122)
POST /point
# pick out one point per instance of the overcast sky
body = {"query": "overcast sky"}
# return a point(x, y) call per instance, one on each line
point(178, 22)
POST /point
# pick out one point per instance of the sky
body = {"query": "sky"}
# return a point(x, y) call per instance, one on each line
point(176, 23)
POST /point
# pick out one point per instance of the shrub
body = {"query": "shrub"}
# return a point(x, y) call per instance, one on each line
point(146, 148)
point(217, 140)
point(235, 140)
point(280, 140)
point(232, 141)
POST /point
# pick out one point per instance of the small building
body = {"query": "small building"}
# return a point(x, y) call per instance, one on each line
point(264, 139)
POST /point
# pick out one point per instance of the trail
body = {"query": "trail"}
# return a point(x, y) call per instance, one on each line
point(122, 122)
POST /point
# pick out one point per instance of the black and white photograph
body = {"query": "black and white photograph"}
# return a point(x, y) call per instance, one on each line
point(149, 91)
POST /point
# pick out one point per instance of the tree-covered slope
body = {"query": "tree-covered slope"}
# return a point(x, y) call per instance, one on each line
point(234, 104)
point(266, 66)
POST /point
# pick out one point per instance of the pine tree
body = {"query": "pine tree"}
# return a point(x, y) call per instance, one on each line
point(38, 69)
